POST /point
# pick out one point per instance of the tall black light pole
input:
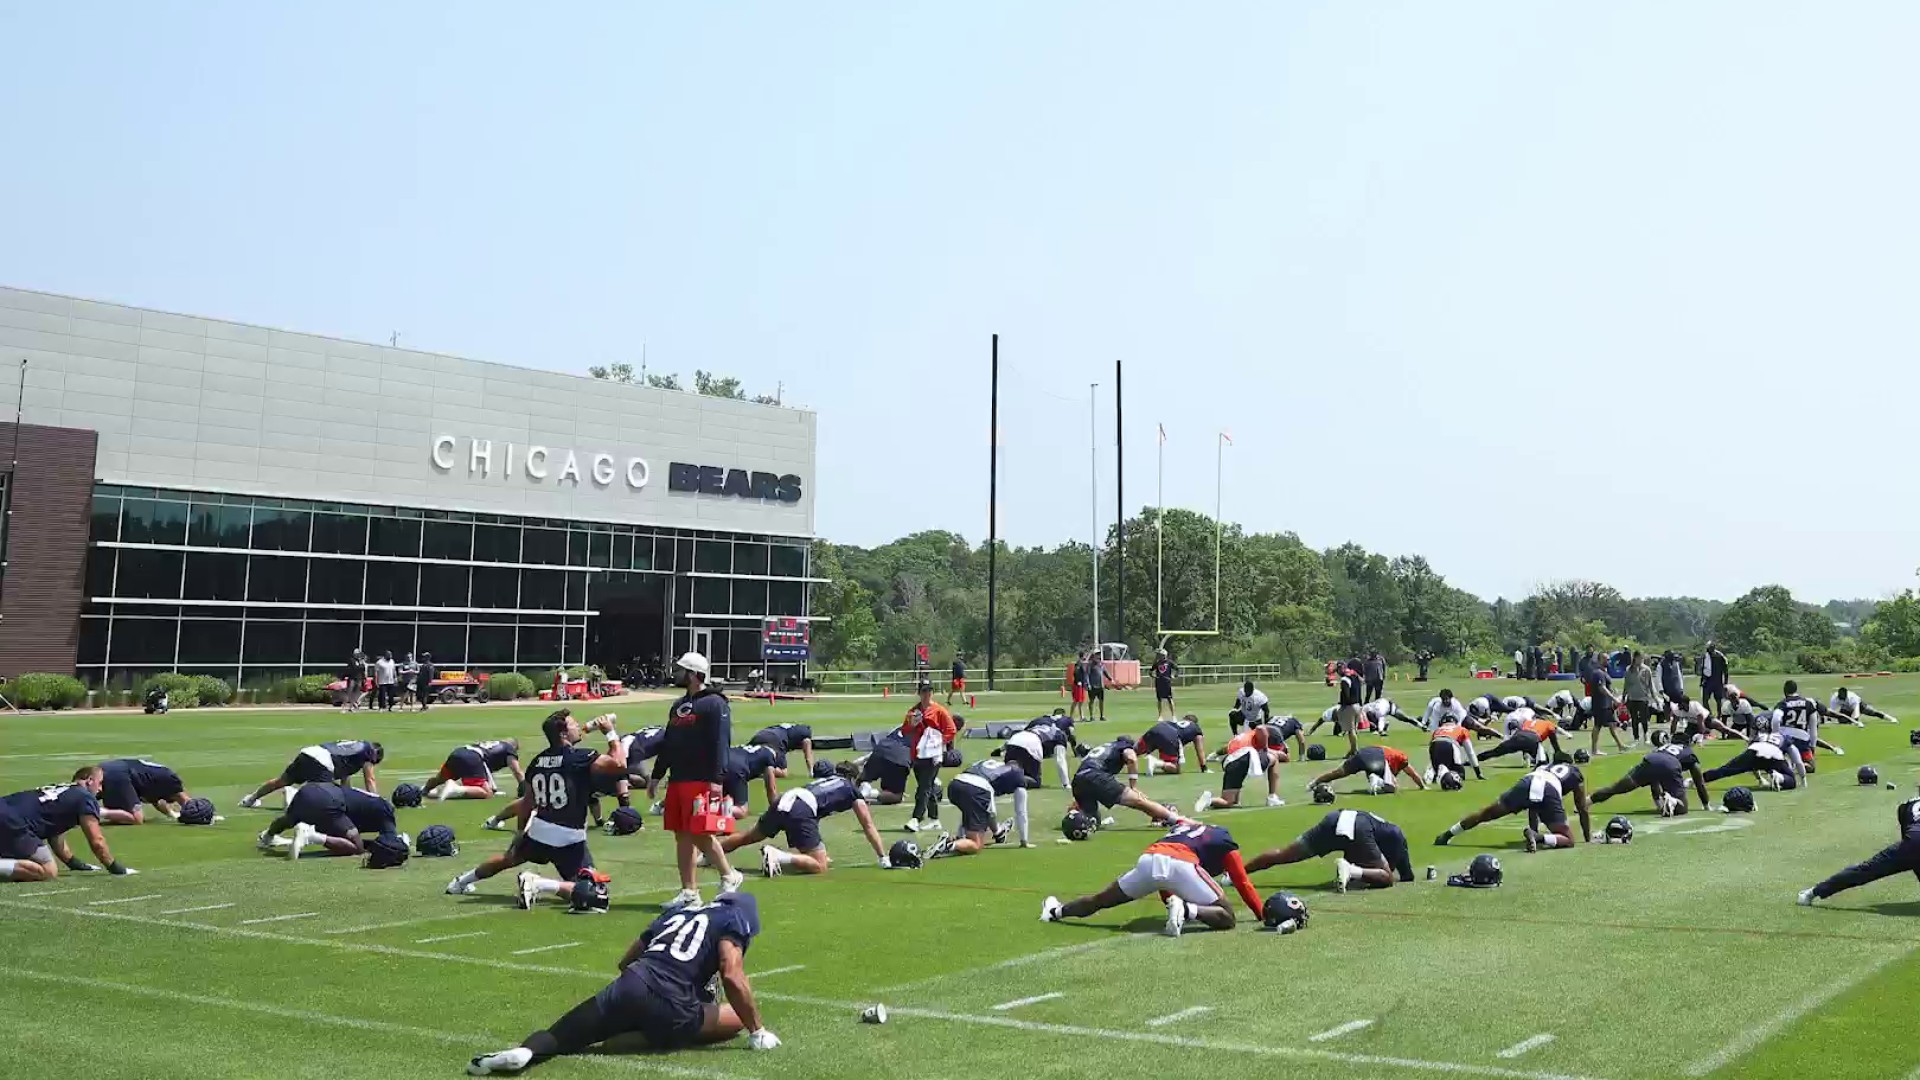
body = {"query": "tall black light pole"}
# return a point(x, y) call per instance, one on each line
point(993, 503)
point(1119, 510)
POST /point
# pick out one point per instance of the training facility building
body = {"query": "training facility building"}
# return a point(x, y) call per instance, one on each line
point(188, 494)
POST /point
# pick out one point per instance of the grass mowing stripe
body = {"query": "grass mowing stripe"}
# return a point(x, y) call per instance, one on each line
point(1659, 928)
point(468, 1041)
point(779, 970)
point(124, 900)
point(1174, 1018)
point(490, 909)
point(1034, 1000)
point(1189, 1043)
point(1347, 1028)
point(545, 948)
point(278, 918)
point(1531, 1042)
point(202, 907)
point(1750, 1039)
point(38, 894)
point(450, 937)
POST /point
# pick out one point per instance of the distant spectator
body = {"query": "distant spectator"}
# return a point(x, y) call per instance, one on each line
point(1519, 664)
point(1713, 677)
point(1424, 658)
point(423, 680)
point(1639, 694)
point(1673, 682)
point(1559, 660)
point(1096, 685)
point(356, 679)
point(385, 674)
point(408, 671)
point(958, 685)
point(1374, 668)
point(1164, 669)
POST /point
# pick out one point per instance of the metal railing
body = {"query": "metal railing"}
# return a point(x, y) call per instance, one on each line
point(1047, 679)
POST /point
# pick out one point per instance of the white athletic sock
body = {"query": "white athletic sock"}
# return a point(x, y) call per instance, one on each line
point(1456, 829)
point(468, 878)
point(779, 857)
point(1151, 760)
point(6, 868)
point(545, 886)
point(1550, 840)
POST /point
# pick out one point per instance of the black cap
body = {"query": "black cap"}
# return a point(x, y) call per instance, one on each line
point(925, 687)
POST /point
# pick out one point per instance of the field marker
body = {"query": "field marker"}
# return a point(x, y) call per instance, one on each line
point(490, 910)
point(545, 948)
point(278, 918)
point(36, 894)
point(1034, 1000)
point(1751, 1039)
point(1531, 1042)
point(1174, 1018)
point(451, 937)
point(1017, 961)
point(123, 900)
point(203, 907)
point(779, 970)
point(469, 1042)
point(1348, 1028)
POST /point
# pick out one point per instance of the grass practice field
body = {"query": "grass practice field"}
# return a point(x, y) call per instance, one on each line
point(1680, 955)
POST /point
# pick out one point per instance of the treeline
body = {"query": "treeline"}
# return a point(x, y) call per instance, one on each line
point(1283, 602)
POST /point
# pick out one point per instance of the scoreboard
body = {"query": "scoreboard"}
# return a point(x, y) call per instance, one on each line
point(786, 640)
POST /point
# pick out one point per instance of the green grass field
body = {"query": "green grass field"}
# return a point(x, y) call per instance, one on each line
point(1681, 955)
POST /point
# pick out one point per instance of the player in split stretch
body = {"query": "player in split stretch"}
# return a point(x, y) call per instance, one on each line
point(787, 739)
point(1902, 856)
point(1451, 748)
point(1441, 708)
point(746, 764)
point(468, 771)
point(553, 825)
point(1039, 741)
point(326, 763)
point(1380, 764)
point(334, 816)
point(1381, 710)
point(1664, 771)
point(1373, 851)
point(34, 824)
point(1850, 706)
point(1097, 786)
point(1527, 732)
point(1775, 757)
point(798, 813)
point(1248, 754)
point(1541, 796)
point(1164, 746)
point(662, 992)
point(976, 794)
point(127, 783)
point(1180, 866)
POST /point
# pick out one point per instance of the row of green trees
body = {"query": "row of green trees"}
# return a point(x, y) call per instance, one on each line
point(1281, 601)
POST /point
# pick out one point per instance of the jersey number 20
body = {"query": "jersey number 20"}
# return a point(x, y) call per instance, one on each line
point(681, 937)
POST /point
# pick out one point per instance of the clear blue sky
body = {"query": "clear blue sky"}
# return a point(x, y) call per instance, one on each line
point(1407, 253)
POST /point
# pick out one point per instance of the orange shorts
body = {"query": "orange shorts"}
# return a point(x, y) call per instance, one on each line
point(959, 684)
point(470, 781)
point(692, 808)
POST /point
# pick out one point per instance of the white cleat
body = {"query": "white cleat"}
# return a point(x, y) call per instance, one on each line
point(265, 842)
point(1806, 898)
point(869, 792)
point(302, 836)
point(528, 892)
point(684, 898)
point(1176, 916)
point(769, 865)
point(1341, 868)
point(1837, 752)
point(250, 803)
point(503, 1063)
point(1050, 909)
point(217, 818)
point(1107, 822)
point(454, 888)
point(700, 859)
point(1373, 784)
point(406, 840)
point(731, 883)
point(1275, 800)
point(1202, 804)
point(494, 825)
point(912, 825)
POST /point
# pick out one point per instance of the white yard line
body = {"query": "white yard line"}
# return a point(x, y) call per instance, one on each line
point(1531, 1042)
point(778, 971)
point(1347, 1028)
point(38, 894)
point(1018, 961)
point(466, 1041)
point(1750, 1039)
point(545, 948)
point(203, 907)
point(124, 900)
point(278, 918)
point(1174, 1018)
point(490, 909)
point(450, 937)
point(1034, 1000)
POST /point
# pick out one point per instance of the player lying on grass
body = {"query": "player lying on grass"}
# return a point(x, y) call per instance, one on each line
point(325, 763)
point(1380, 764)
point(976, 794)
point(1250, 706)
point(1528, 733)
point(127, 783)
point(786, 739)
point(1097, 786)
point(662, 992)
point(1451, 748)
point(1181, 866)
point(1775, 757)
point(1373, 851)
point(1902, 856)
point(333, 815)
point(553, 819)
point(884, 771)
point(1043, 738)
point(1540, 795)
point(34, 823)
point(1248, 754)
point(1164, 746)
point(1691, 721)
point(1850, 707)
point(798, 814)
point(1664, 772)
point(468, 771)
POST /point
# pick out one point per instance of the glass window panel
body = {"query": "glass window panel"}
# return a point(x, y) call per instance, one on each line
point(148, 574)
point(335, 581)
point(713, 556)
point(575, 647)
point(152, 521)
point(277, 578)
point(496, 543)
point(281, 530)
point(545, 590)
point(329, 644)
point(143, 641)
point(577, 548)
point(106, 520)
point(218, 525)
point(490, 646)
point(446, 641)
point(344, 533)
point(682, 556)
point(788, 561)
point(547, 547)
point(749, 558)
point(272, 643)
point(210, 642)
point(216, 577)
point(388, 635)
point(576, 591)
point(710, 595)
point(683, 595)
point(622, 551)
point(786, 598)
point(443, 586)
point(538, 645)
point(496, 587)
point(643, 553)
point(99, 572)
point(599, 549)
point(393, 583)
point(749, 597)
point(743, 644)
point(394, 536)
point(447, 540)
point(93, 641)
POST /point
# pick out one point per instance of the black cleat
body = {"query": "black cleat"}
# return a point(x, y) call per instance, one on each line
point(1443, 839)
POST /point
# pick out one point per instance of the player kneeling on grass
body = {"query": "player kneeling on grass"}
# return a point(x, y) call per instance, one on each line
point(662, 992)
point(468, 771)
point(786, 739)
point(884, 771)
point(1778, 758)
point(553, 823)
point(1181, 866)
point(1901, 857)
point(332, 815)
point(126, 783)
point(33, 824)
point(325, 763)
point(1248, 754)
point(1540, 795)
point(976, 794)
point(1526, 732)
point(1097, 786)
point(1380, 711)
point(1041, 739)
point(1664, 772)
point(1451, 750)
point(1380, 764)
point(1373, 851)
point(1165, 744)
point(798, 813)
point(1849, 707)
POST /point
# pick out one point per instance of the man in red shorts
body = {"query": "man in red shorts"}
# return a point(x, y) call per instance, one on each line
point(693, 758)
point(959, 683)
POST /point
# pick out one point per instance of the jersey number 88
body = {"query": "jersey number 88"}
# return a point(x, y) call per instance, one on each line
point(549, 790)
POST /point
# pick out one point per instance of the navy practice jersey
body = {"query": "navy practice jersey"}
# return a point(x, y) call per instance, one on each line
point(683, 944)
point(1051, 735)
point(348, 757)
point(785, 738)
point(1282, 728)
point(369, 813)
point(1109, 757)
point(1797, 711)
point(50, 811)
point(150, 779)
point(832, 795)
point(1211, 844)
point(893, 750)
point(1907, 814)
point(560, 781)
point(1004, 778)
point(1680, 752)
point(642, 745)
point(1173, 732)
point(699, 727)
point(495, 753)
point(749, 762)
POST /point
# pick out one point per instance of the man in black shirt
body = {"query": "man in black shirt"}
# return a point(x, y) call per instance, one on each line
point(1346, 712)
point(1096, 681)
point(958, 684)
point(693, 760)
point(1164, 669)
point(1374, 668)
point(423, 680)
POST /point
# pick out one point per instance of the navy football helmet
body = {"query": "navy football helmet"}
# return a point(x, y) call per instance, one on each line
point(1077, 825)
point(1450, 781)
point(1322, 793)
point(436, 841)
point(1868, 775)
point(1738, 800)
point(1484, 871)
point(196, 812)
point(407, 796)
point(904, 855)
point(385, 852)
point(624, 821)
point(590, 895)
point(1619, 830)
point(1316, 752)
point(1284, 912)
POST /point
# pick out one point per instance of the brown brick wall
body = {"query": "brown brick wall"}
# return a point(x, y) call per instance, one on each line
point(42, 589)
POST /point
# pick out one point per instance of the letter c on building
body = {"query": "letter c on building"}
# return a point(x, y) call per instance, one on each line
point(443, 452)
